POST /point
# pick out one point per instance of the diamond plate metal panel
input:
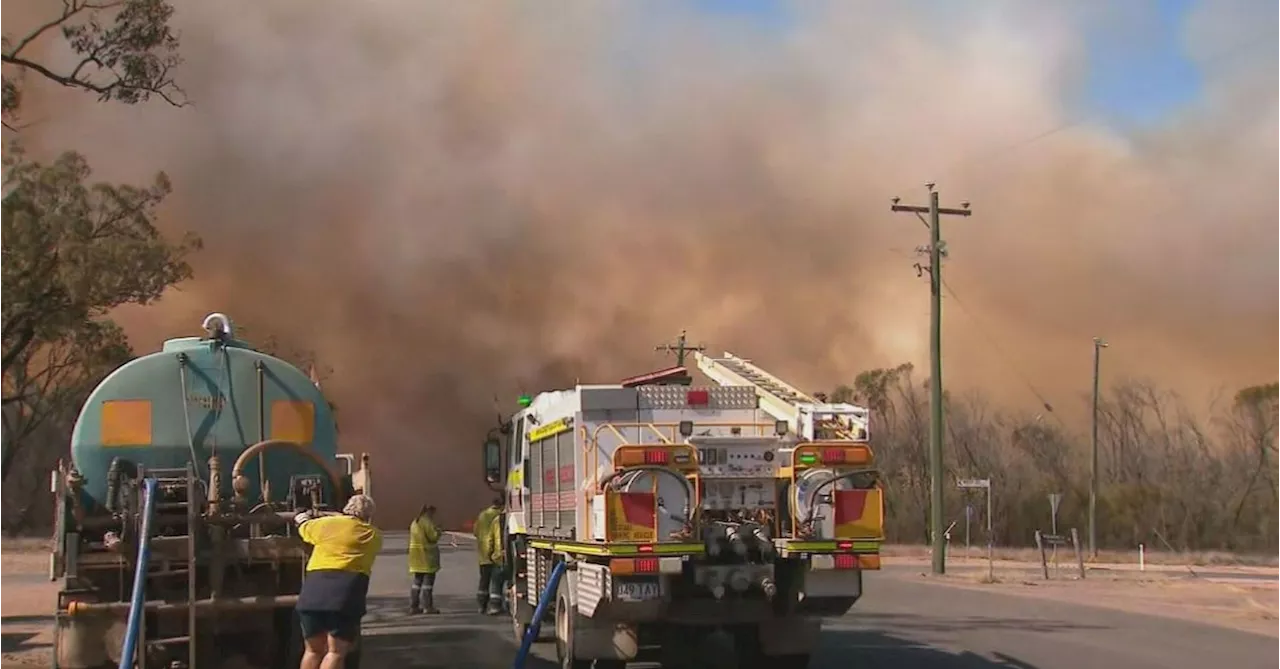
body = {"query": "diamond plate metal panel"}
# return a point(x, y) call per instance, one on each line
point(676, 397)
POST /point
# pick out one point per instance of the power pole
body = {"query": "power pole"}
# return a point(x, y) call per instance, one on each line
point(936, 251)
point(1098, 345)
point(681, 348)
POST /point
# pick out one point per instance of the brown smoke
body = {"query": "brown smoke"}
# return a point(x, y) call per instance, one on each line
point(450, 201)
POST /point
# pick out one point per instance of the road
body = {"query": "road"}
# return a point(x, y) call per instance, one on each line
point(903, 623)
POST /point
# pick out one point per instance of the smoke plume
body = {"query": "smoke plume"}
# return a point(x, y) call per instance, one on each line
point(452, 201)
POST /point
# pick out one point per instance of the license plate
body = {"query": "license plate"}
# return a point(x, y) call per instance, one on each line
point(636, 591)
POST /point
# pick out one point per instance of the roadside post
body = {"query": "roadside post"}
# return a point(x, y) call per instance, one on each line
point(983, 484)
point(1055, 500)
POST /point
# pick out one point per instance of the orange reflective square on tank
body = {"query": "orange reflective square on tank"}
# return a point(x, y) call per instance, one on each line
point(126, 423)
point(859, 514)
point(293, 420)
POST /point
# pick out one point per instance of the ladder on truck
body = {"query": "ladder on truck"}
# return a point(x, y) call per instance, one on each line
point(151, 567)
point(804, 414)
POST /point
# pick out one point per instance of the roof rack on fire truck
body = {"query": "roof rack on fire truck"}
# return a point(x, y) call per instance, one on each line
point(808, 417)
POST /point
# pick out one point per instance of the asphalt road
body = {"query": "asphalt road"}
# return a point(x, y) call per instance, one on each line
point(901, 623)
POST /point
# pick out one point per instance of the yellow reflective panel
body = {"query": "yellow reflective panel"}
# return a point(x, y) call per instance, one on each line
point(126, 423)
point(293, 420)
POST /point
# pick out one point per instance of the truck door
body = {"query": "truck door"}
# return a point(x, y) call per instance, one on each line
point(517, 485)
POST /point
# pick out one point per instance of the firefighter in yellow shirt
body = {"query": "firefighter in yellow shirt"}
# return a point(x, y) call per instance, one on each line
point(332, 601)
point(424, 560)
point(488, 534)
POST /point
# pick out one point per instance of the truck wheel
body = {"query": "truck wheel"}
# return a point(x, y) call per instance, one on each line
point(518, 628)
point(565, 615)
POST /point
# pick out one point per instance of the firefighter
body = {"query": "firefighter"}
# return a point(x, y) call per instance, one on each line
point(332, 601)
point(424, 560)
point(488, 534)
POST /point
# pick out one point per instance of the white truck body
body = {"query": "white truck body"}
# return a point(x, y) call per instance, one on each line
point(682, 510)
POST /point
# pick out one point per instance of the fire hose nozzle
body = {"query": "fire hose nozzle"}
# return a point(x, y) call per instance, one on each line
point(769, 587)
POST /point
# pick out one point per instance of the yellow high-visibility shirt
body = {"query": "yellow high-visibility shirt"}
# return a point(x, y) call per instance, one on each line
point(424, 546)
point(488, 533)
point(342, 543)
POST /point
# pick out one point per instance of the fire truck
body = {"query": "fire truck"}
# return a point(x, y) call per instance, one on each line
point(747, 507)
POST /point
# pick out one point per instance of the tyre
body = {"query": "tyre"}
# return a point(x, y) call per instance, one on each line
point(518, 628)
point(565, 615)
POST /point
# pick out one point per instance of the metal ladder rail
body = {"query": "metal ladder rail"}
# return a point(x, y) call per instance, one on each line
point(779, 398)
point(186, 477)
point(135, 628)
point(776, 398)
point(763, 379)
point(770, 382)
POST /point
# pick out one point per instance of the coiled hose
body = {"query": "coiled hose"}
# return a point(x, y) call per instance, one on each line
point(137, 603)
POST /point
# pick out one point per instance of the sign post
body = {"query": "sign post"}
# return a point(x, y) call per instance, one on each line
point(984, 484)
point(1055, 499)
point(968, 516)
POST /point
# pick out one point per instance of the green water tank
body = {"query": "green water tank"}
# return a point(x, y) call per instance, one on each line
point(199, 396)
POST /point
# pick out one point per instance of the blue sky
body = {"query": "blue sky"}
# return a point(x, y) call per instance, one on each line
point(1131, 82)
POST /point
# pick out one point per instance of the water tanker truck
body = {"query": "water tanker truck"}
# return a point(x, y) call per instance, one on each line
point(173, 537)
point(747, 507)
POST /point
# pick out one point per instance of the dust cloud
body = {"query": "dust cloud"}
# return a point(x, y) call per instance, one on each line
point(454, 201)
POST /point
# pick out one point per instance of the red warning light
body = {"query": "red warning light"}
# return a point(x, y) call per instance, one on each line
point(698, 397)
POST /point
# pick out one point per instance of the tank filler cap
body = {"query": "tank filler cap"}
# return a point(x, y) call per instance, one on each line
point(217, 325)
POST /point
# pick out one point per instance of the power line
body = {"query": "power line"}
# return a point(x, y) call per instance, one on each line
point(996, 348)
point(991, 341)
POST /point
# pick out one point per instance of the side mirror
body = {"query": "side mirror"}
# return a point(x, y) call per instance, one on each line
point(493, 461)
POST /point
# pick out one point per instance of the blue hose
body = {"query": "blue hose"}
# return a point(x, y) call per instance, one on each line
point(536, 624)
point(136, 603)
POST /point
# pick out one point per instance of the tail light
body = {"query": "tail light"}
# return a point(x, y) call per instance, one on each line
point(846, 561)
point(625, 566)
point(697, 398)
point(848, 455)
point(630, 457)
point(656, 456)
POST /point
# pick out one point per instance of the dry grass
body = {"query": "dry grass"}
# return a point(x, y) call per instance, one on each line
point(26, 545)
point(1014, 554)
point(24, 555)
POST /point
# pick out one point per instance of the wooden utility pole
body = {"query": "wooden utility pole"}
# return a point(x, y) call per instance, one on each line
point(936, 251)
point(1098, 344)
point(681, 348)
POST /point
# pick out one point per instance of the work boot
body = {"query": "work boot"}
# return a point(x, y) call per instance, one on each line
point(495, 607)
point(413, 601)
point(428, 603)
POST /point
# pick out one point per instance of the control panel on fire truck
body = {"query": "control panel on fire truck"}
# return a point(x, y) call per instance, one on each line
point(738, 457)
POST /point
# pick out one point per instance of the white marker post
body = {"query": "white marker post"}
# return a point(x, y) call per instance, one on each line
point(1055, 500)
point(985, 484)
